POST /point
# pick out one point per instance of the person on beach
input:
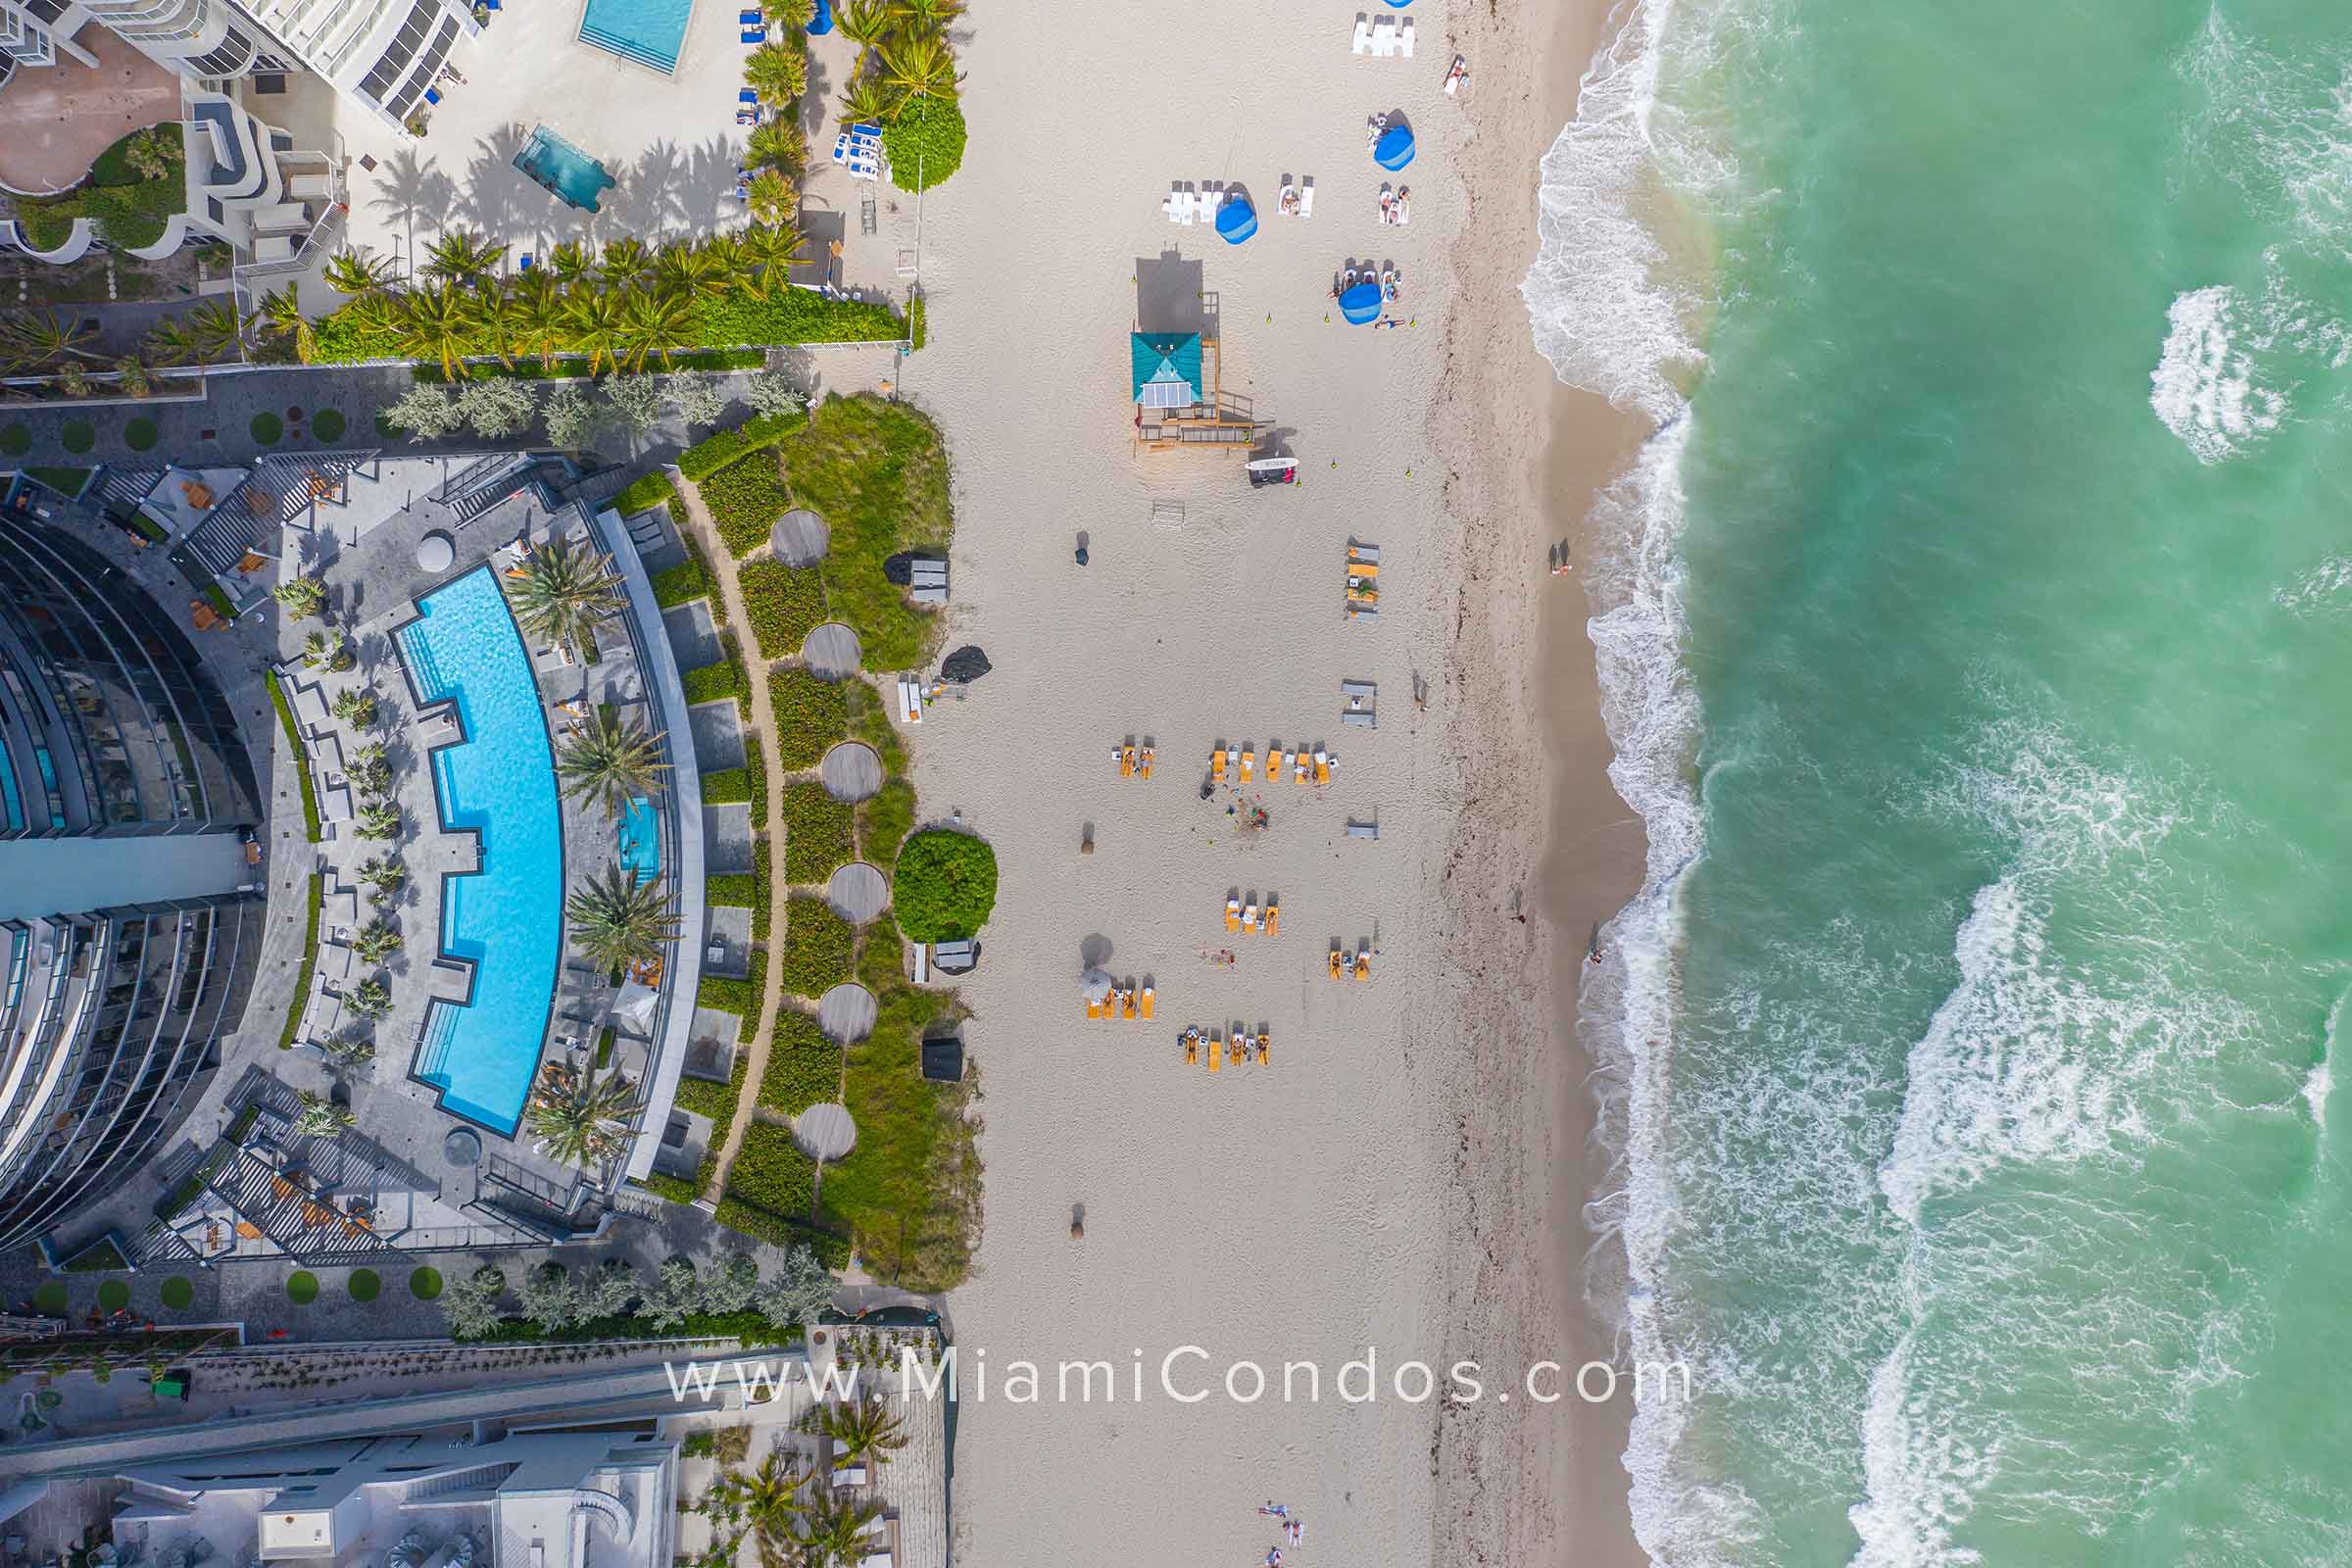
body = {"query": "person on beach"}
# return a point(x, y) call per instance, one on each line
point(1277, 1510)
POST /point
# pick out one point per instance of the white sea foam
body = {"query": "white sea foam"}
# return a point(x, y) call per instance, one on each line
point(2277, 126)
point(2205, 387)
point(1922, 1478)
point(2322, 588)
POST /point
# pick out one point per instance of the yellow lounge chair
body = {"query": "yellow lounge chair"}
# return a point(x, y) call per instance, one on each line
point(1093, 1009)
point(1233, 915)
point(1147, 762)
point(1322, 765)
point(1249, 761)
point(1363, 964)
point(1362, 593)
point(1337, 959)
point(1266, 1046)
point(1216, 765)
point(1216, 1053)
point(1249, 917)
point(1272, 910)
point(1361, 568)
point(1192, 1048)
point(1233, 1049)
point(1300, 757)
point(1146, 1001)
point(1274, 756)
point(1127, 1005)
point(1126, 762)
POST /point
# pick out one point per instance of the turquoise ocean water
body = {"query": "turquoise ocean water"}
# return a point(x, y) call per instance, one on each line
point(1975, 636)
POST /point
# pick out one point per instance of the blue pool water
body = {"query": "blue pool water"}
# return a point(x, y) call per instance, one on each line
point(640, 843)
point(648, 31)
point(568, 173)
point(507, 918)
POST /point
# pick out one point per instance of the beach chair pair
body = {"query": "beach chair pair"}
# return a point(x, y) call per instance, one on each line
point(753, 37)
point(1180, 204)
point(1217, 762)
point(1206, 202)
point(1384, 38)
point(1233, 915)
point(1126, 760)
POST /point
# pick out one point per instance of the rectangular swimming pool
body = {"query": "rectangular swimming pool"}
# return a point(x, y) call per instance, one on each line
point(648, 31)
point(499, 783)
point(564, 172)
point(638, 839)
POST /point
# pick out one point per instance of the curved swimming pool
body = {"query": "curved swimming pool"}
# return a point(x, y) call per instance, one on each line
point(506, 919)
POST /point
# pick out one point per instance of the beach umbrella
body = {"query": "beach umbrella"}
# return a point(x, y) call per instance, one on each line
point(1096, 984)
point(1398, 5)
point(1395, 149)
point(822, 22)
point(1237, 220)
point(1361, 303)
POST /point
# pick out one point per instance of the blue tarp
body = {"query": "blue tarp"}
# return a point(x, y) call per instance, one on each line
point(1237, 220)
point(1395, 149)
point(1361, 303)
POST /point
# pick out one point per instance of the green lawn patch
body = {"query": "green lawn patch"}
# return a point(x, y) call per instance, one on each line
point(714, 451)
point(140, 434)
point(266, 427)
point(113, 1296)
point(727, 786)
point(179, 1293)
point(877, 471)
point(310, 963)
point(909, 1191)
point(819, 947)
point(944, 886)
point(50, 1297)
point(737, 889)
point(302, 754)
point(811, 715)
point(803, 1067)
point(65, 481)
point(302, 1286)
point(883, 819)
point(817, 834)
point(710, 682)
point(745, 499)
point(784, 604)
point(365, 1285)
point(425, 1284)
point(772, 1171)
point(327, 425)
point(717, 1102)
point(14, 440)
point(78, 436)
point(127, 209)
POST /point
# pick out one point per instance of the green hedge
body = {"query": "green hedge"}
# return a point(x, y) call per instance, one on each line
point(811, 715)
point(817, 834)
point(711, 682)
point(785, 604)
point(747, 1328)
point(728, 786)
point(883, 823)
point(832, 1249)
point(944, 886)
point(574, 368)
point(302, 754)
point(715, 1100)
point(803, 1067)
point(677, 1189)
point(772, 1171)
point(714, 451)
point(310, 965)
point(740, 997)
point(738, 321)
point(819, 947)
point(643, 493)
point(924, 145)
point(737, 890)
point(745, 499)
point(690, 579)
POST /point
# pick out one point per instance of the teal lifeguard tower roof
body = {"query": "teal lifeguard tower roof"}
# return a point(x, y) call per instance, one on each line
point(1167, 369)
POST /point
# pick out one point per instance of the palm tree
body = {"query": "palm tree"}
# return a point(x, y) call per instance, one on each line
point(655, 322)
point(578, 1118)
point(774, 199)
point(302, 596)
point(436, 324)
point(866, 1430)
point(865, 23)
point(931, 17)
point(320, 1117)
point(686, 270)
point(170, 342)
point(281, 316)
point(562, 591)
point(571, 261)
point(868, 98)
point(770, 247)
point(375, 942)
point(377, 820)
point(623, 261)
point(354, 271)
point(837, 1531)
point(499, 320)
point(537, 301)
point(725, 250)
point(617, 921)
point(594, 315)
point(216, 325)
point(463, 256)
point(770, 1503)
point(326, 648)
point(778, 73)
point(789, 13)
point(371, 997)
point(918, 66)
point(33, 338)
point(611, 761)
point(778, 144)
point(132, 373)
point(384, 876)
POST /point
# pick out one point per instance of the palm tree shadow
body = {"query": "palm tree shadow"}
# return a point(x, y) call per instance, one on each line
point(706, 195)
point(410, 190)
point(497, 195)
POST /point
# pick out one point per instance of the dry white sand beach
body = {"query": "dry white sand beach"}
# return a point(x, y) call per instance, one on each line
point(1406, 1173)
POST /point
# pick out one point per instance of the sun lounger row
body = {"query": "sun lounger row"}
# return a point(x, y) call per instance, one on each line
point(1240, 763)
point(1122, 1002)
point(1356, 965)
point(1243, 916)
point(1135, 761)
point(859, 149)
point(1383, 39)
point(1187, 204)
point(1237, 1046)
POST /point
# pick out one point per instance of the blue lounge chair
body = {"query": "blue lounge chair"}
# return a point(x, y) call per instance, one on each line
point(758, 37)
point(750, 18)
point(746, 96)
point(525, 264)
point(433, 95)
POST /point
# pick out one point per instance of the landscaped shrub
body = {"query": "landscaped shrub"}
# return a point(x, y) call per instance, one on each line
point(877, 473)
point(818, 947)
point(772, 1171)
point(644, 494)
point(717, 1102)
point(727, 786)
point(78, 437)
point(140, 433)
point(714, 451)
point(710, 682)
point(266, 427)
point(690, 579)
point(677, 1189)
point(745, 499)
point(113, 1296)
point(909, 1191)
point(737, 890)
point(425, 1284)
point(365, 1285)
point(739, 322)
point(832, 1249)
point(15, 441)
point(811, 715)
point(817, 834)
point(785, 605)
point(310, 963)
point(50, 1297)
point(883, 819)
point(179, 1293)
point(924, 145)
point(302, 1286)
point(755, 769)
point(327, 425)
point(944, 886)
point(803, 1067)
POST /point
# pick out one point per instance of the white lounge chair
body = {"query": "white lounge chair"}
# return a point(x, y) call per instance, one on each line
point(1208, 202)
point(1307, 198)
point(1364, 38)
point(1384, 38)
point(1180, 206)
point(1405, 38)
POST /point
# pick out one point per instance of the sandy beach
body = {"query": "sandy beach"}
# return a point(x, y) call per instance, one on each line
point(1406, 1174)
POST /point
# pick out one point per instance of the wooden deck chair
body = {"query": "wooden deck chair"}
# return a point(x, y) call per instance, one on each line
point(1233, 915)
point(1146, 1002)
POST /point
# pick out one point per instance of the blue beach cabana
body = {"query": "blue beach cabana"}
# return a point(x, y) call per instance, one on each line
point(1237, 220)
point(1167, 369)
point(1361, 303)
point(1395, 149)
point(822, 22)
